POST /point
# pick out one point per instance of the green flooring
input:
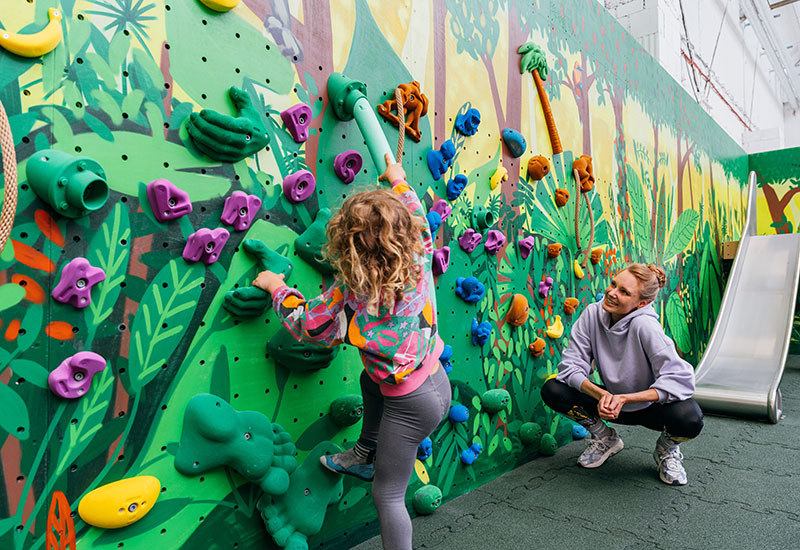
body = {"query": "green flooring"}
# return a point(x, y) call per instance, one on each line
point(743, 493)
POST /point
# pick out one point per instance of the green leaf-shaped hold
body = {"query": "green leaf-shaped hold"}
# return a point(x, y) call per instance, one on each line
point(296, 356)
point(309, 244)
point(300, 512)
point(533, 58)
point(226, 138)
point(215, 434)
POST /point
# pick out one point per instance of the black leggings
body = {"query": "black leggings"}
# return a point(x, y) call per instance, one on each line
point(681, 419)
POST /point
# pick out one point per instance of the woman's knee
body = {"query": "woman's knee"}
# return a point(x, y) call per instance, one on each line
point(687, 419)
point(556, 395)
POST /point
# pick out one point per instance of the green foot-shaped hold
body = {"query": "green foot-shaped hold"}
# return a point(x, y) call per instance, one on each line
point(250, 301)
point(347, 410)
point(226, 138)
point(309, 245)
point(296, 356)
point(299, 513)
point(215, 434)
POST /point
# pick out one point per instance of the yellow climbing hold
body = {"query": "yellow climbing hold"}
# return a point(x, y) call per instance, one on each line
point(422, 472)
point(556, 328)
point(501, 174)
point(38, 43)
point(220, 5)
point(576, 266)
point(120, 503)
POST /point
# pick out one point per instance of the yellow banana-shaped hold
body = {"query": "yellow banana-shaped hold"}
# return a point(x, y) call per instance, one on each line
point(501, 174)
point(220, 5)
point(38, 43)
point(556, 328)
point(576, 266)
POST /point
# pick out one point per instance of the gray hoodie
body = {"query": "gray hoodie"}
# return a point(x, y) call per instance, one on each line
point(631, 356)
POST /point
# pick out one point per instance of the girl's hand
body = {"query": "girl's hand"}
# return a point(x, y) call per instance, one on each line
point(394, 171)
point(269, 281)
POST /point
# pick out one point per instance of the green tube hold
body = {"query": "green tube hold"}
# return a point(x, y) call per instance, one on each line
point(482, 219)
point(73, 186)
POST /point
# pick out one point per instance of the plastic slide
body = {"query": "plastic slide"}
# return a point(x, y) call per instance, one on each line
point(742, 367)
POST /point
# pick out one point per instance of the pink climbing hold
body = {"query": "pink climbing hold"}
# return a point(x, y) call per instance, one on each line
point(240, 209)
point(469, 240)
point(72, 378)
point(526, 246)
point(346, 165)
point(545, 286)
point(495, 240)
point(441, 260)
point(296, 119)
point(167, 200)
point(77, 279)
point(299, 186)
point(442, 208)
point(205, 244)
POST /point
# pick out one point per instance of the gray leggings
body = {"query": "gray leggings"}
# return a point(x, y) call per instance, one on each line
point(397, 425)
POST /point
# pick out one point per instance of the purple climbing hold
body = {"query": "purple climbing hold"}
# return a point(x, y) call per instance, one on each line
point(468, 456)
point(77, 279)
point(442, 208)
point(470, 289)
point(480, 332)
point(167, 200)
point(439, 161)
point(299, 186)
point(205, 244)
point(434, 221)
point(525, 246)
point(72, 378)
point(515, 142)
point(469, 240)
point(347, 165)
point(441, 260)
point(240, 209)
point(495, 240)
point(456, 186)
point(468, 122)
point(297, 118)
point(545, 286)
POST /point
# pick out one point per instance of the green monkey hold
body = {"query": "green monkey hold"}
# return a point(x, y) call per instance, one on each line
point(215, 434)
point(296, 356)
point(493, 401)
point(427, 499)
point(250, 301)
point(309, 244)
point(530, 433)
point(548, 445)
point(226, 138)
point(347, 410)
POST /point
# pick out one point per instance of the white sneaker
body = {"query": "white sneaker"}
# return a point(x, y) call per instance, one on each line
point(670, 463)
point(600, 449)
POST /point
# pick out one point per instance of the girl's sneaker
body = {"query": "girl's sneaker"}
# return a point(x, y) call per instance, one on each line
point(669, 458)
point(349, 463)
point(600, 449)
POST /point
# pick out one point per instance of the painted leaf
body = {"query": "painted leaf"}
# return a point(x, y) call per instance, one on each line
point(682, 233)
point(10, 295)
point(109, 250)
point(164, 313)
point(641, 216)
point(15, 419)
point(676, 318)
point(31, 371)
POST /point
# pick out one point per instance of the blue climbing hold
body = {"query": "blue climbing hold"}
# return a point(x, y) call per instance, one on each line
point(425, 449)
point(434, 221)
point(470, 289)
point(599, 297)
point(445, 358)
point(456, 186)
point(579, 432)
point(458, 413)
point(440, 161)
point(515, 142)
point(468, 456)
point(468, 122)
point(480, 332)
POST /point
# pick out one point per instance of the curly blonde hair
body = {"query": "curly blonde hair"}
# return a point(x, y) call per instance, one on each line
point(373, 243)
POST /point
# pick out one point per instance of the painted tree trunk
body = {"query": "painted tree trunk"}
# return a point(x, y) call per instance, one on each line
point(777, 205)
point(555, 141)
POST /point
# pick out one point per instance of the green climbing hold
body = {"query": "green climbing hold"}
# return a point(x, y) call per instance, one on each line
point(73, 186)
point(296, 356)
point(427, 499)
point(215, 434)
point(493, 401)
point(250, 301)
point(548, 445)
point(309, 244)
point(300, 512)
point(347, 410)
point(530, 433)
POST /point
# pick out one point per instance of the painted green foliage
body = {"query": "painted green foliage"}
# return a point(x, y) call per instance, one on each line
point(159, 322)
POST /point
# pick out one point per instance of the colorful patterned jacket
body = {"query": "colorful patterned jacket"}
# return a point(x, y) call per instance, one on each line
point(399, 348)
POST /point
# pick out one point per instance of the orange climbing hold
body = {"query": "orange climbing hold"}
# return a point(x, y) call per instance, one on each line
point(553, 250)
point(570, 305)
point(583, 165)
point(562, 196)
point(538, 167)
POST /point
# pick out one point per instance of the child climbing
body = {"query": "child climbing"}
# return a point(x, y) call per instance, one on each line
point(383, 303)
point(645, 383)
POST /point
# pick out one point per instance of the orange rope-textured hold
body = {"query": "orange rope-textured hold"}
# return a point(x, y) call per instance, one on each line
point(10, 173)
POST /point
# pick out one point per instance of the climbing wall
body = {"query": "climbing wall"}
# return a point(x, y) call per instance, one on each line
point(122, 93)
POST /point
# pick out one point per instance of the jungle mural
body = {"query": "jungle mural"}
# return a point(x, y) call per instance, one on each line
point(126, 87)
